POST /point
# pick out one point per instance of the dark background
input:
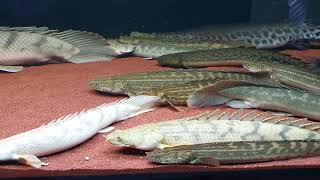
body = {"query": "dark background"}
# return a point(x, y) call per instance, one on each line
point(115, 17)
point(112, 17)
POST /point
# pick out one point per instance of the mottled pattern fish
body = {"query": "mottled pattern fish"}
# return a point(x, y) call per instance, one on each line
point(301, 78)
point(219, 153)
point(261, 36)
point(287, 100)
point(225, 57)
point(137, 83)
point(154, 47)
point(31, 45)
point(217, 126)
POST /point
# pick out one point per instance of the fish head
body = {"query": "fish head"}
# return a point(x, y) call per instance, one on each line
point(170, 60)
point(144, 139)
point(109, 85)
point(170, 157)
point(120, 48)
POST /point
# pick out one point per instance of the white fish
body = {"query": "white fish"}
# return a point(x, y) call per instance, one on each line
point(11, 68)
point(70, 130)
point(32, 45)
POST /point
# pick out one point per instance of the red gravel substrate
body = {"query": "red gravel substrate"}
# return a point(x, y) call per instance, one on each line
point(40, 94)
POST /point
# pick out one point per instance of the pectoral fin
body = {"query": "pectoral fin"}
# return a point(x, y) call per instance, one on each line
point(207, 161)
point(30, 160)
point(238, 104)
point(106, 130)
point(209, 95)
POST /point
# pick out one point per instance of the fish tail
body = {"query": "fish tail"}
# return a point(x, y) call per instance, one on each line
point(136, 105)
point(93, 47)
point(297, 12)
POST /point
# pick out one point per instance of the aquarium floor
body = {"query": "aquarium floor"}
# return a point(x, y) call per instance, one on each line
point(40, 94)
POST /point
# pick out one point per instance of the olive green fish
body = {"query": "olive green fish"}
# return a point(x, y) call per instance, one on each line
point(139, 83)
point(219, 153)
point(217, 126)
point(225, 57)
point(150, 47)
point(287, 100)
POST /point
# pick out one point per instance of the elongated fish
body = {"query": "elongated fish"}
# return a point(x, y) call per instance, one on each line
point(225, 57)
point(136, 83)
point(297, 77)
point(71, 130)
point(219, 153)
point(31, 45)
point(287, 100)
point(218, 126)
point(150, 47)
point(262, 36)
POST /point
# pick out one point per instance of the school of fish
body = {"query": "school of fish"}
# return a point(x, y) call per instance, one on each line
point(285, 89)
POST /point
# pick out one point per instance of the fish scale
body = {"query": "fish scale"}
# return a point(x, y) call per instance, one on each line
point(218, 153)
point(218, 126)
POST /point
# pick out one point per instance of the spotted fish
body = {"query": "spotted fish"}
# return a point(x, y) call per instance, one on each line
point(262, 36)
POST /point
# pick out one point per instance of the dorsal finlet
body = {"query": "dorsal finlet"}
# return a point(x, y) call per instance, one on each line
point(221, 114)
point(265, 117)
point(246, 115)
point(234, 114)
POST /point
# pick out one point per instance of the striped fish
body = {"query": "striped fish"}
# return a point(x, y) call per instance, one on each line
point(219, 153)
point(139, 83)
